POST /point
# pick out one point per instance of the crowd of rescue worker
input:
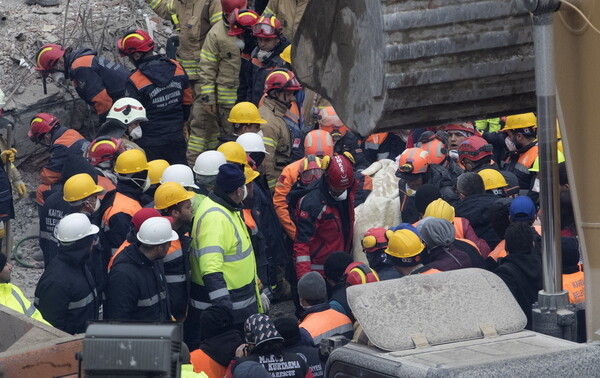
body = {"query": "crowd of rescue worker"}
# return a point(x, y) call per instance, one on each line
point(216, 185)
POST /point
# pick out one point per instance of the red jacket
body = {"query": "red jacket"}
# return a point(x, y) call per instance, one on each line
point(323, 226)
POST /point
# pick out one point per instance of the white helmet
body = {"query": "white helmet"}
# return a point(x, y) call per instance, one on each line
point(208, 163)
point(127, 110)
point(155, 231)
point(252, 142)
point(179, 173)
point(74, 227)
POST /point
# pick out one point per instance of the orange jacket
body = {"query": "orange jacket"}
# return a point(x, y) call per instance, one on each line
point(203, 363)
point(326, 324)
point(287, 179)
point(574, 283)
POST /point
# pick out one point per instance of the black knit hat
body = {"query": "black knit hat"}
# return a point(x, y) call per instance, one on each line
point(230, 177)
point(288, 329)
point(335, 265)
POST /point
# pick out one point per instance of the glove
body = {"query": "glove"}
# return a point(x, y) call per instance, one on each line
point(21, 188)
point(2, 233)
point(266, 303)
point(8, 155)
point(210, 109)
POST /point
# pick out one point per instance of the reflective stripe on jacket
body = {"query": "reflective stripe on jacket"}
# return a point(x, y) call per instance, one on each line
point(13, 298)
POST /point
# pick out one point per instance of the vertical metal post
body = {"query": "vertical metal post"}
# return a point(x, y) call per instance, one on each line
point(546, 116)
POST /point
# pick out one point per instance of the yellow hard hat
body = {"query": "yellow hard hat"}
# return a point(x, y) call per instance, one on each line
point(536, 164)
point(250, 174)
point(440, 209)
point(79, 187)
point(286, 54)
point(404, 244)
point(169, 194)
point(492, 179)
point(155, 170)
point(520, 121)
point(131, 161)
point(234, 153)
point(245, 112)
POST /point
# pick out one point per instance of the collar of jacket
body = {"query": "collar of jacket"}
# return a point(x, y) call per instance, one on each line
point(522, 150)
point(275, 106)
point(314, 309)
point(220, 197)
point(57, 133)
point(136, 256)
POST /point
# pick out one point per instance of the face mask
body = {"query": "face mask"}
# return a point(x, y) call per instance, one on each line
point(58, 77)
point(240, 43)
point(509, 144)
point(144, 185)
point(341, 197)
point(136, 133)
point(245, 192)
point(96, 207)
point(536, 186)
point(263, 55)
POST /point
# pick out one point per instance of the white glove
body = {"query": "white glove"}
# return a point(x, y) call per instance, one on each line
point(266, 303)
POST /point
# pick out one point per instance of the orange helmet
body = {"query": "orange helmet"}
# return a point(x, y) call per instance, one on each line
point(318, 143)
point(40, 125)
point(330, 122)
point(104, 149)
point(413, 161)
point(135, 41)
point(47, 56)
point(267, 27)
point(310, 171)
point(241, 21)
point(281, 79)
point(435, 145)
point(358, 273)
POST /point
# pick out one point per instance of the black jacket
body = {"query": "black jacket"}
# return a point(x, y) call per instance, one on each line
point(338, 294)
point(522, 273)
point(66, 293)
point(260, 71)
point(311, 355)
point(54, 209)
point(137, 288)
point(476, 208)
point(268, 223)
point(177, 273)
point(162, 86)
point(221, 348)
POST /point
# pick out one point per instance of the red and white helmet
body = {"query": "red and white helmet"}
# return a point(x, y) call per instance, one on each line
point(474, 148)
point(241, 21)
point(339, 173)
point(40, 125)
point(127, 110)
point(135, 41)
point(104, 149)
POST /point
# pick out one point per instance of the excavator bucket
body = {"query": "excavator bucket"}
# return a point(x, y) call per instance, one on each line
point(578, 88)
point(402, 64)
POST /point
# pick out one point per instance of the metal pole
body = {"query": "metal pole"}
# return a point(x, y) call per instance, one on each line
point(546, 117)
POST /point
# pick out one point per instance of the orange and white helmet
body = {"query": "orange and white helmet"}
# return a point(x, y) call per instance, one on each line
point(329, 121)
point(318, 143)
point(414, 161)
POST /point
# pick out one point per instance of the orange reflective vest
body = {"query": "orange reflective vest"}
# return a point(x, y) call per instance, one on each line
point(121, 204)
point(431, 271)
point(574, 283)
point(321, 325)
point(106, 184)
point(203, 363)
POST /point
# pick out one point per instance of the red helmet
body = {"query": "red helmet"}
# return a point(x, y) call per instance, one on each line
point(311, 170)
point(135, 41)
point(267, 27)
point(282, 79)
point(104, 149)
point(40, 125)
point(474, 148)
point(229, 6)
point(47, 56)
point(358, 273)
point(241, 21)
point(375, 239)
point(435, 145)
point(413, 161)
point(467, 127)
point(340, 174)
point(318, 143)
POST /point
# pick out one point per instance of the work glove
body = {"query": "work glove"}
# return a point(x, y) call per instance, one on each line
point(266, 303)
point(8, 155)
point(2, 230)
point(15, 178)
point(210, 109)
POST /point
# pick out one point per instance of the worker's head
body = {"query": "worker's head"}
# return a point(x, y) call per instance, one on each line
point(50, 60)
point(468, 184)
point(522, 209)
point(358, 273)
point(335, 265)
point(81, 192)
point(41, 127)
point(241, 22)
point(234, 153)
point(435, 144)
point(474, 152)
point(570, 254)
point(374, 244)
point(131, 168)
point(268, 33)
point(245, 118)
point(261, 334)
point(318, 143)
point(103, 151)
point(520, 130)
point(5, 269)
point(128, 113)
point(440, 209)
point(519, 238)
point(436, 232)
point(254, 146)
point(206, 168)
point(155, 237)
point(457, 133)
point(288, 328)
point(76, 235)
point(135, 45)
point(413, 164)
point(181, 174)
point(339, 176)
point(282, 85)
point(229, 6)
point(174, 201)
point(231, 181)
point(310, 170)
point(156, 168)
point(494, 182)
point(312, 289)
point(329, 121)
point(405, 248)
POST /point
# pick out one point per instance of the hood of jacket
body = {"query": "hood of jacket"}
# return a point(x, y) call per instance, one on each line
point(529, 264)
point(158, 69)
point(78, 252)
